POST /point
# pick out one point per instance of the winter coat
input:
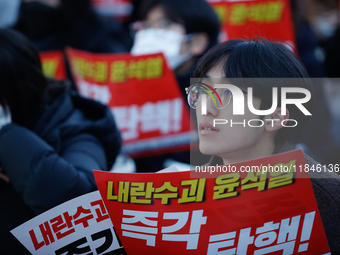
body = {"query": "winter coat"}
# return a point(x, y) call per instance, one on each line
point(53, 162)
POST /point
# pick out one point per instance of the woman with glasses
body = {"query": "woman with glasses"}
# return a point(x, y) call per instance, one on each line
point(261, 65)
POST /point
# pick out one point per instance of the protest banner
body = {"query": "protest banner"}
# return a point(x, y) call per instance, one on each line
point(263, 212)
point(79, 226)
point(143, 95)
point(271, 19)
point(53, 64)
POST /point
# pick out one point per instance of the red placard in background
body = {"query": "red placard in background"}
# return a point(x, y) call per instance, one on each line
point(237, 213)
point(53, 64)
point(271, 19)
point(142, 93)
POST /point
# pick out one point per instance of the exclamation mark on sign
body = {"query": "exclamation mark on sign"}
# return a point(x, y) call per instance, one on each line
point(306, 230)
point(177, 108)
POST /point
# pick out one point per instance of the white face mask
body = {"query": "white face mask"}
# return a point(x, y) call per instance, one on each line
point(168, 42)
point(5, 118)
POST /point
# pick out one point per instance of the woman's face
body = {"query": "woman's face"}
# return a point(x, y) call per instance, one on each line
point(226, 140)
point(156, 18)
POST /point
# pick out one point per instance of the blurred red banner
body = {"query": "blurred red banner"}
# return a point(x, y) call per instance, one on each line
point(143, 95)
point(271, 19)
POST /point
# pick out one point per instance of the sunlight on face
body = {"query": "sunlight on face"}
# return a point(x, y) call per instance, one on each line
point(226, 140)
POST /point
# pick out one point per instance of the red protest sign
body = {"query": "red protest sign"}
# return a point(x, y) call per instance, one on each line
point(244, 212)
point(142, 93)
point(53, 64)
point(271, 19)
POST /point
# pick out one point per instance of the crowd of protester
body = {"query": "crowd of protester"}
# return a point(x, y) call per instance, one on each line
point(51, 138)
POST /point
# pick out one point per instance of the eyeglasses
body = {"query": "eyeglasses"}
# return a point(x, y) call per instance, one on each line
point(221, 96)
point(160, 24)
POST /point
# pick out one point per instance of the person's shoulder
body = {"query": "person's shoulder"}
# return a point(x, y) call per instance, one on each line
point(91, 108)
point(326, 183)
point(326, 186)
point(71, 114)
point(321, 171)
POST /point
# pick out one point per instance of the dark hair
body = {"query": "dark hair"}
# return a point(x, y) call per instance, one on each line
point(259, 58)
point(194, 15)
point(22, 80)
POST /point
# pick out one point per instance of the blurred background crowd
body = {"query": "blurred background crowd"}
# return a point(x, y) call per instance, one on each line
point(114, 26)
point(110, 27)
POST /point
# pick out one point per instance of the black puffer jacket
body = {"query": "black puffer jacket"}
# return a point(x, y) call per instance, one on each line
point(53, 162)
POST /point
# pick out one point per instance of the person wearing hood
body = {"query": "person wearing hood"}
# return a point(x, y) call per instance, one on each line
point(181, 30)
